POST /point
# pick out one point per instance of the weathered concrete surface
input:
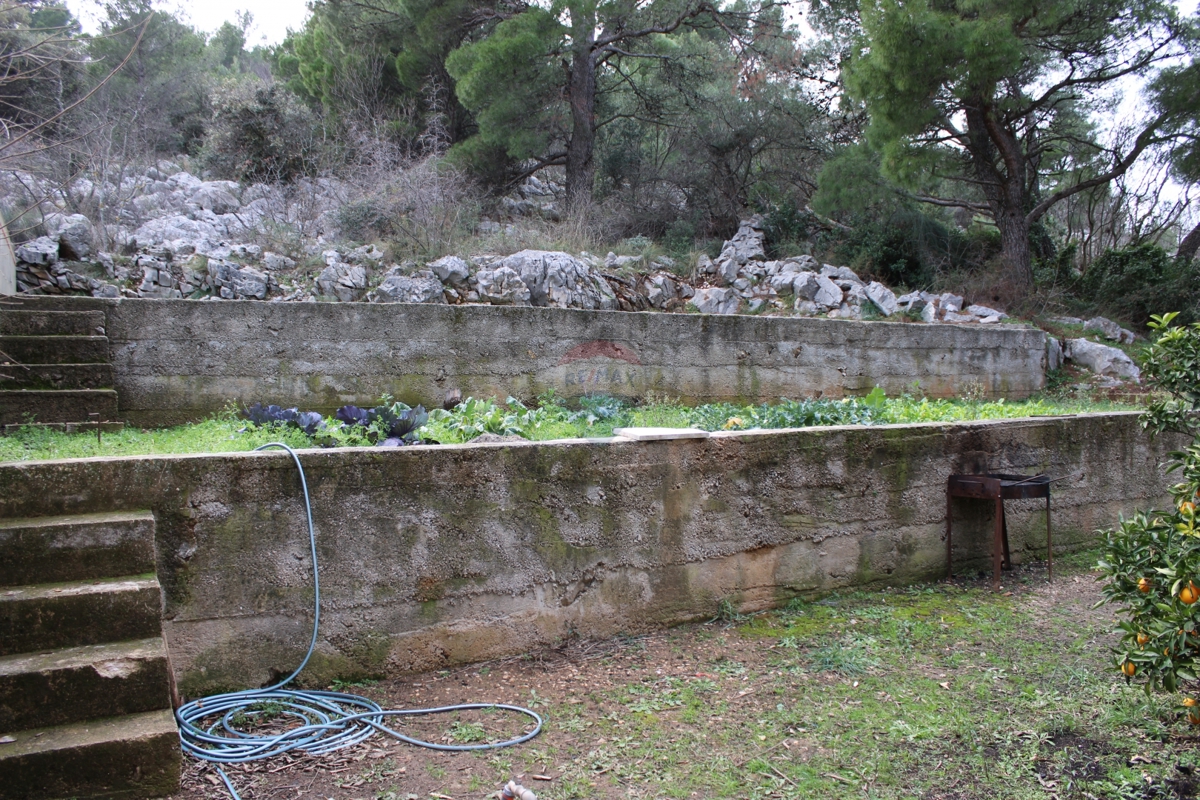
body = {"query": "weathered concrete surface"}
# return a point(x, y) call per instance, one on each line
point(436, 555)
point(177, 359)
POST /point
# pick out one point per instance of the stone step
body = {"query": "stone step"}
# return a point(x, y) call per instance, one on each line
point(55, 349)
point(126, 757)
point(51, 323)
point(82, 683)
point(57, 376)
point(55, 615)
point(76, 547)
point(49, 405)
point(62, 302)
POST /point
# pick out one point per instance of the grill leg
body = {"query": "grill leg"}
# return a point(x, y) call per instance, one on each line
point(949, 555)
point(997, 545)
point(1049, 544)
point(1007, 556)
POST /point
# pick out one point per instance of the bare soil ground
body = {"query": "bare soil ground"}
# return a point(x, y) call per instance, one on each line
point(944, 691)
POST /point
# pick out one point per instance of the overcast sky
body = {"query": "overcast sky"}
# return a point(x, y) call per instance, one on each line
point(272, 18)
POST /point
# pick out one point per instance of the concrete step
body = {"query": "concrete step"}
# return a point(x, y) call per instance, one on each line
point(55, 349)
point(126, 757)
point(51, 323)
point(49, 405)
point(62, 302)
point(57, 376)
point(82, 683)
point(76, 547)
point(56, 615)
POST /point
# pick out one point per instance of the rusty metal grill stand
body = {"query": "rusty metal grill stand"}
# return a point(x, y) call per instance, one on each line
point(998, 488)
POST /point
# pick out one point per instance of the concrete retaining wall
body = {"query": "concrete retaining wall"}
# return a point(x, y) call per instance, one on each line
point(436, 555)
point(177, 360)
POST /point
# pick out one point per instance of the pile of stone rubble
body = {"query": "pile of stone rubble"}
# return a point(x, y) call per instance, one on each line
point(182, 237)
point(183, 254)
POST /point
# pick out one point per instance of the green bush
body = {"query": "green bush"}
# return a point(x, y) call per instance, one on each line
point(1135, 280)
point(263, 133)
point(1151, 563)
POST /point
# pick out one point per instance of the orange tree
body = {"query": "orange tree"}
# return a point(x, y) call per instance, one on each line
point(1151, 563)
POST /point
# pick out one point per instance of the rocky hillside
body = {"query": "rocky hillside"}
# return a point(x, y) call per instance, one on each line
point(177, 236)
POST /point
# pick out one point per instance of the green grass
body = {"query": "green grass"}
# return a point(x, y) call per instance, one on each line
point(550, 420)
point(220, 435)
point(934, 691)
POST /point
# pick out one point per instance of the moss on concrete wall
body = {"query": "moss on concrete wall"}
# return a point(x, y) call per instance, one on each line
point(435, 555)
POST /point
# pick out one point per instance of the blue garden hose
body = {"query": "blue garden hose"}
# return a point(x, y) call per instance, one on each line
point(327, 721)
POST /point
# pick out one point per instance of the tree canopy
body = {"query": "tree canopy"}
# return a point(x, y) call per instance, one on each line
point(991, 105)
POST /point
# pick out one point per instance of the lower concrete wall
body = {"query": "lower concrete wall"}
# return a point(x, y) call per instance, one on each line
point(177, 360)
point(437, 555)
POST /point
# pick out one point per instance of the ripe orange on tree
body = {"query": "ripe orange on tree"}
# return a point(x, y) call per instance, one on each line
point(1144, 585)
point(1128, 668)
point(1189, 594)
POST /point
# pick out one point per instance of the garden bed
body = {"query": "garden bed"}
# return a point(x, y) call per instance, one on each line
point(552, 419)
point(937, 691)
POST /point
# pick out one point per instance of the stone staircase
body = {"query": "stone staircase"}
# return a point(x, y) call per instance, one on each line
point(85, 686)
point(55, 366)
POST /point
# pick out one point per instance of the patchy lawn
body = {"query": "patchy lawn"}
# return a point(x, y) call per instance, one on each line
point(940, 691)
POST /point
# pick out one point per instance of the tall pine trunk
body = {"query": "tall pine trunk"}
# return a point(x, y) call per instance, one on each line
point(1188, 247)
point(1001, 169)
point(581, 92)
point(1014, 246)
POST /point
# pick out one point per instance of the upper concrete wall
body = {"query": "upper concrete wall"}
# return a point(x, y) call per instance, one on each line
point(436, 555)
point(178, 359)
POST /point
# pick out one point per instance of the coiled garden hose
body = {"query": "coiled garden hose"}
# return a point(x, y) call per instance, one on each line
point(327, 721)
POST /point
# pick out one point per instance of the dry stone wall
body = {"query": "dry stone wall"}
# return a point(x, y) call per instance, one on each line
point(432, 556)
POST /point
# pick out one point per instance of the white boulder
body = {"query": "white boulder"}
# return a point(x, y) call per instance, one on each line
point(1102, 359)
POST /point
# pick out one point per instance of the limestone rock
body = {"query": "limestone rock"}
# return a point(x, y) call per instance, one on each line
point(716, 301)
point(74, 235)
point(661, 289)
point(984, 311)
point(883, 297)
point(913, 301)
point(452, 270)
point(276, 262)
point(501, 286)
point(805, 285)
point(346, 282)
point(215, 198)
point(1102, 359)
point(419, 288)
point(950, 302)
point(841, 274)
point(1054, 353)
point(250, 282)
point(806, 308)
point(42, 251)
point(559, 279)
point(747, 244)
point(828, 293)
point(954, 316)
point(1109, 330)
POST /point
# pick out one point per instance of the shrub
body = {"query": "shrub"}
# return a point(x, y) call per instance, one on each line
point(1151, 563)
point(1135, 279)
point(262, 133)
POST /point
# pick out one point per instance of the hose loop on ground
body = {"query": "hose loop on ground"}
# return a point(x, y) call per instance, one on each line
point(210, 728)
